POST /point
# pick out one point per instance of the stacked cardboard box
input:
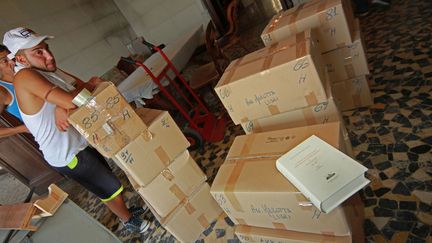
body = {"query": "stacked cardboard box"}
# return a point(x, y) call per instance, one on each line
point(340, 41)
point(168, 179)
point(283, 77)
point(253, 193)
point(333, 20)
point(354, 210)
point(154, 158)
point(347, 70)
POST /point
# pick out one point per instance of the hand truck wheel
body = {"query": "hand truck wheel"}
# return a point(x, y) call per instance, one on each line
point(194, 138)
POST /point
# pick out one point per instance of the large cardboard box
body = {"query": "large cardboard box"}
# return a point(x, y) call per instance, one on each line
point(321, 113)
point(333, 20)
point(108, 122)
point(257, 234)
point(283, 77)
point(150, 153)
point(174, 184)
point(192, 217)
point(352, 93)
point(253, 192)
point(347, 62)
point(353, 208)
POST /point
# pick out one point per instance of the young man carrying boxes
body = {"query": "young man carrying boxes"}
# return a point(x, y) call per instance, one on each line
point(67, 152)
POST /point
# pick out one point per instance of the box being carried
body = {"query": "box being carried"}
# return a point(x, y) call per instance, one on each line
point(107, 121)
point(333, 19)
point(253, 192)
point(150, 153)
point(194, 215)
point(347, 62)
point(282, 77)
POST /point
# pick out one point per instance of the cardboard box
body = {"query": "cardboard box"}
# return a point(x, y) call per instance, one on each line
point(258, 234)
point(347, 62)
point(174, 184)
point(252, 192)
point(353, 207)
point(151, 152)
point(192, 217)
point(283, 77)
point(333, 20)
point(322, 113)
point(352, 93)
point(108, 122)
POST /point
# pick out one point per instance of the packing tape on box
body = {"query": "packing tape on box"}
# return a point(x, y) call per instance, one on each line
point(279, 226)
point(273, 109)
point(175, 189)
point(309, 117)
point(357, 100)
point(203, 221)
point(189, 208)
point(293, 19)
point(230, 185)
point(244, 119)
point(311, 98)
point(328, 233)
point(241, 221)
point(349, 70)
point(162, 155)
point(167, 174)
point(272, 50)
point(356, 85)
point(246, 146)
point(230, 71)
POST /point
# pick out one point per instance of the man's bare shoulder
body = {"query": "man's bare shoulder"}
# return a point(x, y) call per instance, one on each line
point(28, 77)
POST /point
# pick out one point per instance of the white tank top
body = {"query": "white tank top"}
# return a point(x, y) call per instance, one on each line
point(58, 148)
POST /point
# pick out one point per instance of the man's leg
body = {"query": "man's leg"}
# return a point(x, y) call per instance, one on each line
point(90, 169)
point(118, 207)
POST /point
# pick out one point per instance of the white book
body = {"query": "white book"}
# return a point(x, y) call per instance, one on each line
point(324, 175)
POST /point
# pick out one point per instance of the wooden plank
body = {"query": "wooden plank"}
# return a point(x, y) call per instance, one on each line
point(17, 216)
point(50, 204)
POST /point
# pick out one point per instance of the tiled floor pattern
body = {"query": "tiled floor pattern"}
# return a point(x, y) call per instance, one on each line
point(393, 138)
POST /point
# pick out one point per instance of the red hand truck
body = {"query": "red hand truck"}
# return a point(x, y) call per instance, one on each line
point(201, 125)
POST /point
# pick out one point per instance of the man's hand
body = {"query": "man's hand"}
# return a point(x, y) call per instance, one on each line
point(93, 83)
point(61, 118)
point(22, 129)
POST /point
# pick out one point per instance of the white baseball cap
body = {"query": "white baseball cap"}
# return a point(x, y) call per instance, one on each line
point(22, 38)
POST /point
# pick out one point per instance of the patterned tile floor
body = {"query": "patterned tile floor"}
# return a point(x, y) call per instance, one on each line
point(393, 138)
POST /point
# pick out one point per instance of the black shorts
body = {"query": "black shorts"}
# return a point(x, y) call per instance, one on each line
point(90, 169)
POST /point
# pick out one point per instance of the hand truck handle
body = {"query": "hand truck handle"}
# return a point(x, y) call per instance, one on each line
point(128, 60)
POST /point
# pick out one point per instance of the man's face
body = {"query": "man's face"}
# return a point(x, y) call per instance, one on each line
point(39, 57)
point(6, 65)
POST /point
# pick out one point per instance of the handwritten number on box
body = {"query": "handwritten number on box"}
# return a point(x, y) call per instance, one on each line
point(321, 107)
point(301, 64)
point(331, 12)
point(127, 157)
point(111, 101)
point(89, 120)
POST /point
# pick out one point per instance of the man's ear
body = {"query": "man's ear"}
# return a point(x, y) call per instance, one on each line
point(21, 59)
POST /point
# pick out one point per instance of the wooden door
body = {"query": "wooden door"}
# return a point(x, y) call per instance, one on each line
point(20, 156)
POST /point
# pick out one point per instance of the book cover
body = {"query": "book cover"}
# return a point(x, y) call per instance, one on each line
point(325, 175)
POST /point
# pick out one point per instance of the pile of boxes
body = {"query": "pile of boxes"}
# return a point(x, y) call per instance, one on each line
point(313, 66)
point(151, 149)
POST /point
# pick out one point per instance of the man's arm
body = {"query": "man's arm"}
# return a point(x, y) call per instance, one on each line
point(31, 82)
point(10, 131)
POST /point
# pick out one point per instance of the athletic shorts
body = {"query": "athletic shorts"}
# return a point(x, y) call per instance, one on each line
point(90, 169)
